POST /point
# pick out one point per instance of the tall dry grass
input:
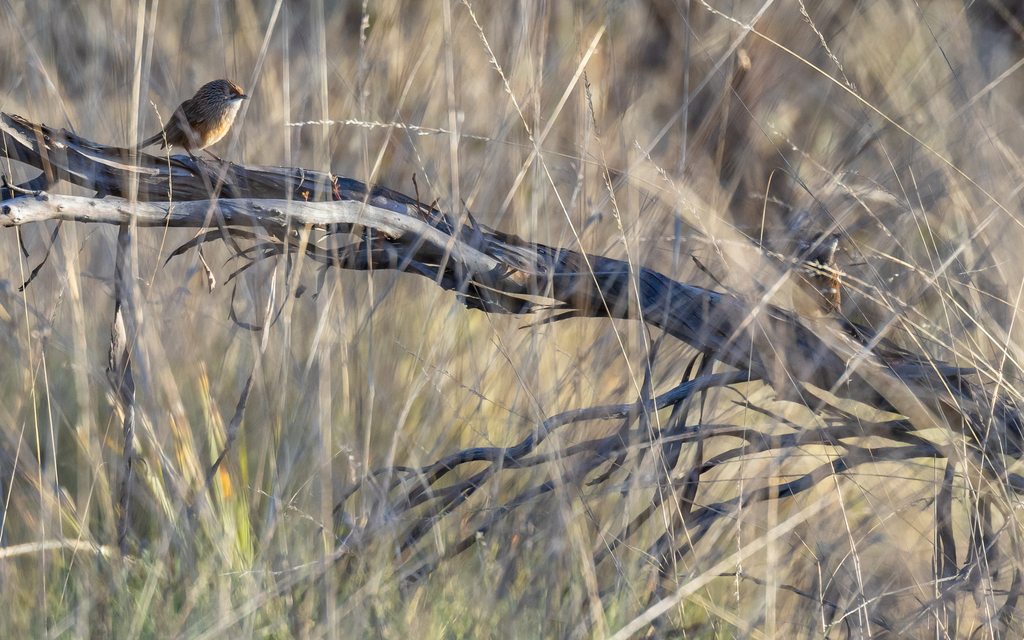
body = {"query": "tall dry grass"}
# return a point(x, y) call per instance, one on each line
point(647, 131)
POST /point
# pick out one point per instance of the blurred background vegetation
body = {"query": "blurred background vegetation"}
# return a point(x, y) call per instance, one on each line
point(666, 129)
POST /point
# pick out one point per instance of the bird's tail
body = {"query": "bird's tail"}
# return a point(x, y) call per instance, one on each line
point(151, 141)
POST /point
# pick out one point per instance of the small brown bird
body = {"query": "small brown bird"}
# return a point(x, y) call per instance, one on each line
point(201, 120)
point(819, 275)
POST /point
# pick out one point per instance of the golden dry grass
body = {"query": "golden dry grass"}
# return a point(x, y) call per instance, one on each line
point(686, 133)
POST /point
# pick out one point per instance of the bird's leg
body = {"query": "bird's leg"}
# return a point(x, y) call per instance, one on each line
point(212, 156)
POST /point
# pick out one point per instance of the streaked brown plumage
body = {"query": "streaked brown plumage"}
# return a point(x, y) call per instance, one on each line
point(201, 120)
point(819, 275)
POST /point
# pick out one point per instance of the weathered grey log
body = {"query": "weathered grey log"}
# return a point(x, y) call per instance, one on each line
point(490, 270)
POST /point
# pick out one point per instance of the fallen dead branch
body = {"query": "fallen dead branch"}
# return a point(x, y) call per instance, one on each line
point(258, 210)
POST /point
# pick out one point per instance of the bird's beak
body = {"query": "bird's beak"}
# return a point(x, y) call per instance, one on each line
point(243, 97)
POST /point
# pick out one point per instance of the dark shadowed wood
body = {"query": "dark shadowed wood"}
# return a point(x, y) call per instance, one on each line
point(493, 271)
point(257, 211)
point(590, 286)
